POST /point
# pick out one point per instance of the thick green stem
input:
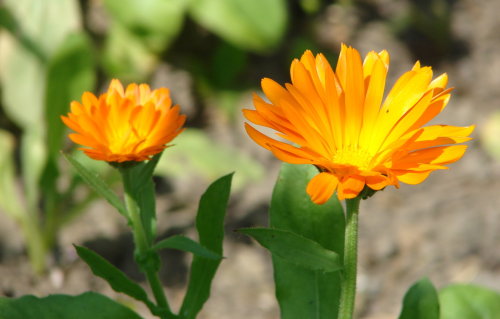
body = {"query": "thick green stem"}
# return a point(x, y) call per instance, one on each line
point(143, 251)
point(348, 289)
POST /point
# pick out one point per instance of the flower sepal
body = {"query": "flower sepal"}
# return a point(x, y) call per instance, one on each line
point(367, 192)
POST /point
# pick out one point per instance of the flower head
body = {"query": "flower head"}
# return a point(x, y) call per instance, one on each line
point(339, 122)
point(124, 125)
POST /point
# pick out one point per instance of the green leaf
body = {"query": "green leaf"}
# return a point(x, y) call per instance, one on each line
point(210, 227)
point(140, 30)
point(125, 55)
point(303, 293)
point(98, 185)
point(70, 73)
point(155, 22)
point(44, 24)
point(295, 249)
point(256, 25)
point(469, 302)
point(421, 302)
point(10, 23)
point(114, 276)
point(89, 305)
point(186, 244)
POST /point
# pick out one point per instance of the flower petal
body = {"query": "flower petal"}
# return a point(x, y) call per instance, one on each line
point(321, 187)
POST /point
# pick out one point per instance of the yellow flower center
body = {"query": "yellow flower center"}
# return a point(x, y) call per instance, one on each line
point(353, 155)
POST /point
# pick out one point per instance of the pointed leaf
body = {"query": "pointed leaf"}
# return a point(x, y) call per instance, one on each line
point(114, 276)
point(469, 301)
point(210, 227)
point(186, 244)
point(97, 184)
point(304, 293)
point(295, 249)
point(89, 305)
point(421, 302)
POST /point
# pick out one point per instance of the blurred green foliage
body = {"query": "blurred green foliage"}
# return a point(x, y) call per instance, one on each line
point(46, 61)
point(49, 58)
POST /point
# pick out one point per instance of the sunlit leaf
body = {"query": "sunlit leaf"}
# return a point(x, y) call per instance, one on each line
point(256, 25)
point(44, 24)
point(469, 301)
point(490, 131)
point(140, 30)
point(156, 22)
point(125, 55)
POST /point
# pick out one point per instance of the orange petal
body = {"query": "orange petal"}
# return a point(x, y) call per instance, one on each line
point(350, 187)
point(321, 187)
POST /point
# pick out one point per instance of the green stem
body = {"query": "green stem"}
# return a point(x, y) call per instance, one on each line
point(157, 288)
point(143, 248)
point(348, 289)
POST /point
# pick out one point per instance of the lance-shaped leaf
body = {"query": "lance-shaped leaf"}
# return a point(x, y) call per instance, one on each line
point(186, 244)
point(421, 301)
point(295, 249)
point(114, 276)
point(97, 184)
point(301, 292)
point(210, 227)
point(89, 305)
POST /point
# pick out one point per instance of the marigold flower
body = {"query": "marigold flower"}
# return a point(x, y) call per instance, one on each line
point(336, 121)
point(124, 125)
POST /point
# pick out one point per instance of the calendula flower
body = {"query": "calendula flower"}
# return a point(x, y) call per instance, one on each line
point(124, 125)
point(339, 122)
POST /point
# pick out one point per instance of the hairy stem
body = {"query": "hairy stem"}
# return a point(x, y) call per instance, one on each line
point(348, 289)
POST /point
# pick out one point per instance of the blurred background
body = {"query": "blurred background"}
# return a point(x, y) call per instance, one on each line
point(212, 54)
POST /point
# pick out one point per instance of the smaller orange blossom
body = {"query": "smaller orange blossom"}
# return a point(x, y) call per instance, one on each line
point(124, 125)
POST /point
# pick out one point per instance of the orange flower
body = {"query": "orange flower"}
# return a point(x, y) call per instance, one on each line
point(336, 120)
point(124, 125)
